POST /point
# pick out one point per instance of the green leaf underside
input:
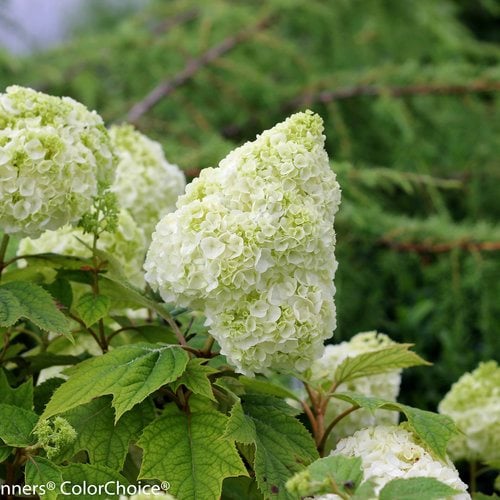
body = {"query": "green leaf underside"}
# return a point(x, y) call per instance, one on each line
point(21, 396)
point(190, 452)
point(283, 446)
point(130, 373)
point(35, 304)
point(38, 472)
point(195, 378)
point(105, 442)
point(416, 488)
point(77, 474)
point(17, 425)
point(91, 308)
point(433, 429)
point(381, 361)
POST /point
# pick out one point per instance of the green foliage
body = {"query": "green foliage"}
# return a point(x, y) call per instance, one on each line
point(130, 373)
point(26, 300)
point(193, 455)
point(381, 361)
point(17, 425)
point(415, 488)
point(434, 430)
point(282, 445)
point(327, 475)
point(91, 308)
point(38, 472)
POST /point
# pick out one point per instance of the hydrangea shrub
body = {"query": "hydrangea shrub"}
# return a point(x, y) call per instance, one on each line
point(111, 385)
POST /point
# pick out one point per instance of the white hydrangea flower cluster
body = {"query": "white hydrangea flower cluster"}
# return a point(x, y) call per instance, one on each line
point(384, 385)
point(127, 245)
point(391, 452)
point(146, 184)
point(252, 245)
point(473, 402)
point(54, 154)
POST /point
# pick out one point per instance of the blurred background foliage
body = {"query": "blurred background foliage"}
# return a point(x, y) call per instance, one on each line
point(409, 92)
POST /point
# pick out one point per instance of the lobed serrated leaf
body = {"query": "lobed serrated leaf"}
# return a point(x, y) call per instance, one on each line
point(91, 308)
point(21, 396)
point(283, 446)
point(381, 361)
point(39, 472)
point(130, 373)
point(416, 488)
point(190, 452)
point(433, 429)
point(195, 378)
point(17, 426)
point(38, 306)
point(106, 443)
point(80, 474)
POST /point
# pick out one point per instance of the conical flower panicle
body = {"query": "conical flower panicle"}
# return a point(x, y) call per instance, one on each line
point(252, 245)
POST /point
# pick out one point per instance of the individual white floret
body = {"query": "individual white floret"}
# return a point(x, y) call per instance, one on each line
point(54, 156)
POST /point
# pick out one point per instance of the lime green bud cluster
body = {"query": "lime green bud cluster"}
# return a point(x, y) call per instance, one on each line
point(147, 185)
point(390, 452)
point(474, 404)
point(54, 435)
point(55, 156)
point(252, 244)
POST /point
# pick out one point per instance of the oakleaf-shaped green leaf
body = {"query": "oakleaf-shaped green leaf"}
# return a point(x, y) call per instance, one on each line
point(190, 452)
point(195, 378)
point(416, 488)
point(130, 373)
point(433, 429)
point(383, 360)
point(283, 446)
point(21, 396)
point(106, 443)
point(10, 308)
point(42, 474)
point(91, 308)
point(17, 425)
point(80, 474)
point(38, 306)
